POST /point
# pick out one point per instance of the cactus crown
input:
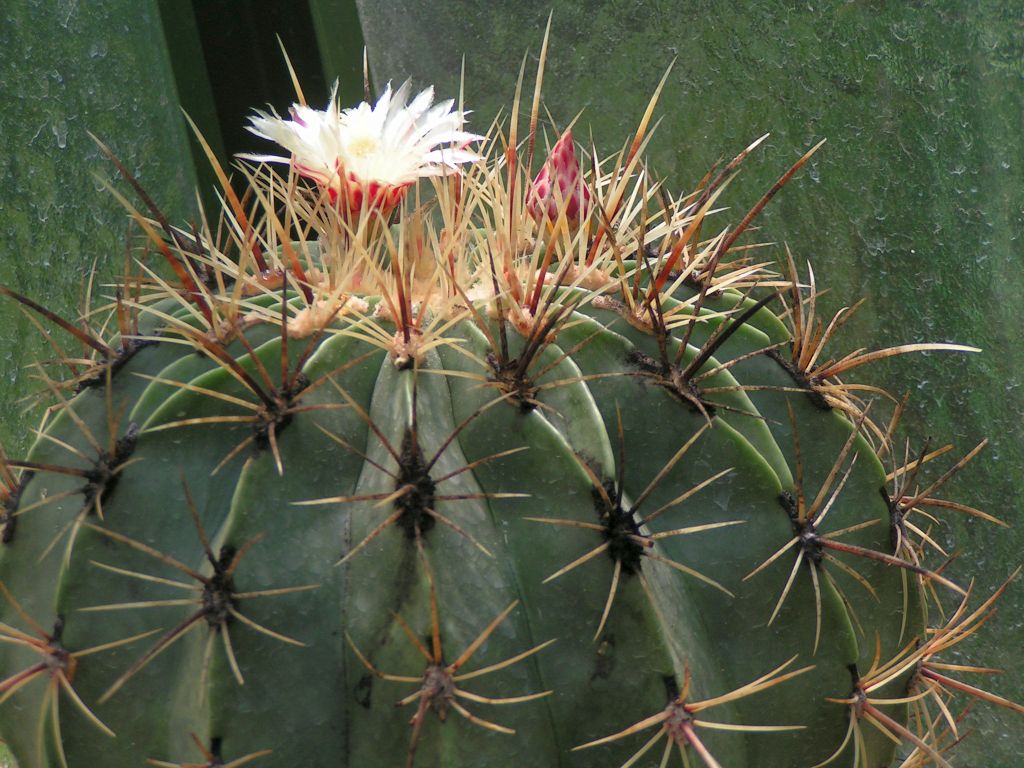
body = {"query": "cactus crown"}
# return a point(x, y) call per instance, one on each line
point(383, 439)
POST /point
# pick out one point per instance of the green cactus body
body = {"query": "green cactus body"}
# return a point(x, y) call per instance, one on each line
point(559, 531)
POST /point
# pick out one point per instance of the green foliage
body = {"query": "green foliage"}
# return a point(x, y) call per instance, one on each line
point(572, 489)
point(68, 69)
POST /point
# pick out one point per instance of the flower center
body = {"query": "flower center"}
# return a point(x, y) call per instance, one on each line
point(363, 146)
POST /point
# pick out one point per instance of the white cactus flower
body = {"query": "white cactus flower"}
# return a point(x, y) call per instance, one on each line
point(370, 154)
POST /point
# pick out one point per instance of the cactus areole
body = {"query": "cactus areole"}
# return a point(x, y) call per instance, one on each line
point(433, 450)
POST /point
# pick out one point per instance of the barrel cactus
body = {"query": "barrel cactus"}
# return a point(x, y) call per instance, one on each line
point(533, 448)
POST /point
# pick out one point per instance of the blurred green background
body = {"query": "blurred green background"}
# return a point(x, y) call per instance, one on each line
point(916, 201)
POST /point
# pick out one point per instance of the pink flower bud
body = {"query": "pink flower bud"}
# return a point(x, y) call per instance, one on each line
point(559, 186)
